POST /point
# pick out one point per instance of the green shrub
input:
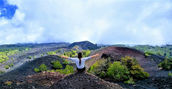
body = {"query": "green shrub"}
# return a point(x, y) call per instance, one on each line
point(71, 53)
point(26, 49)
point(118, 72)
point(6, 67)
point(11, 65)
point(57, 65)
point(12, 59)
point(42, 67)
point(170, 74)
point(1, 60)
point(29, 57)
point(130, 81)
point(128, 61)
point(68, 70)
point(65, 62)
point(51, 53)
point(9, 83)
point(148, 53)
point(42, 55)
point(36, 70)
point(86, 53)
point(136, 71)
point(3, 57)
point(102, 74)
point(99, 68)
point(166, 64)
point(127, 70)
point(51, 71)
point(1, 72)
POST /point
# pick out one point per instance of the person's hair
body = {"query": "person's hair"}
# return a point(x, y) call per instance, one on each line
point(79, 56)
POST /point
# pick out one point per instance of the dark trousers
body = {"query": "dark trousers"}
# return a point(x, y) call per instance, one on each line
point(81, 70)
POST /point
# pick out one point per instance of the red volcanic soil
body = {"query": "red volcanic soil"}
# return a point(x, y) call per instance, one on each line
point(45, 78)
point(115, 53)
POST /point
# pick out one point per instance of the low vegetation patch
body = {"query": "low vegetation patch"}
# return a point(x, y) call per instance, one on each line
point(136, 71)
point(127, 70)
point(42, 55)
point(6, 67)
point(166, 64)
point(56, 64)
point(68, 70)
point(11, 65)
point(65, 61)
point(148, 53)
point(51, 53)
point(57, 67)
point(8, 83)
point(164, 51)
point(99, 68)
point(5, 52)
point(71, 53)
point(170, 74)
point(130, 81)
point(41, 68)
point(36, 70)
point(118, 72)
point(86, 53)
point(29, 57)
point(1, 72)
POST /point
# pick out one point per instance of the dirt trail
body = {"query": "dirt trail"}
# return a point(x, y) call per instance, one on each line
point(84, 81)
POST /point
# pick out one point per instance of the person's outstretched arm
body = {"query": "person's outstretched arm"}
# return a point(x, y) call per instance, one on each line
point(90, 57)
point(96, 55)
point(65, 57)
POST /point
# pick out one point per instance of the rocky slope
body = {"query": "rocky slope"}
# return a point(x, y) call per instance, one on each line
point(36, 51)
point(25, 78)
point(84, 45)
point(27, 68)
point(115, 53)
point(84, 81)
point(54, 80)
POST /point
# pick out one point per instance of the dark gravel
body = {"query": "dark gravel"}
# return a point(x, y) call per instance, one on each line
point(27, 69)
point(84, 81)
point(151, 83)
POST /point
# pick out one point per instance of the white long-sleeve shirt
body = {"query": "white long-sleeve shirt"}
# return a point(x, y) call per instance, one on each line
point(76, 60)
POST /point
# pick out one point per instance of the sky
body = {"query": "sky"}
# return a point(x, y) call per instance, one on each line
point(98, 21)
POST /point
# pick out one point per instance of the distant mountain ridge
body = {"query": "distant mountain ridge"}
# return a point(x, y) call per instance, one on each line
point(33, 44)
point(84, 45)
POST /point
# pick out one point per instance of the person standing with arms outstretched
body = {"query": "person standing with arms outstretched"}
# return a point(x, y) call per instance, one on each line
point(80, 61)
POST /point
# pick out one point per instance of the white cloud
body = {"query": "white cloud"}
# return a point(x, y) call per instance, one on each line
point(100, 21)
point(3, 22)
point(19, 17)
